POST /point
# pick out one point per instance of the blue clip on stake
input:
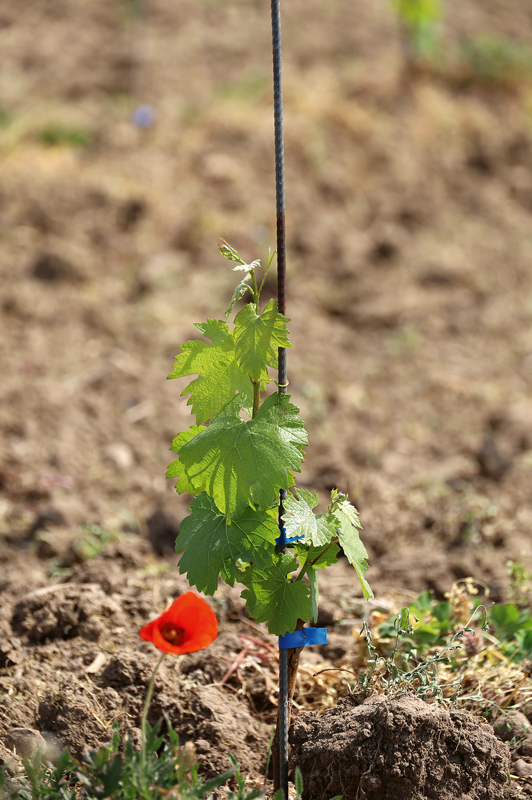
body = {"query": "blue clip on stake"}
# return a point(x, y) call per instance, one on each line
point(282, 541)
point(302, 638)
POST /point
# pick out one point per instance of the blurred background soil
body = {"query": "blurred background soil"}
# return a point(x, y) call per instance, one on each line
point(409, 208)
point(409, 211)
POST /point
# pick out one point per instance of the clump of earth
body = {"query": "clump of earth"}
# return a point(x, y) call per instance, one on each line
point(398, 748)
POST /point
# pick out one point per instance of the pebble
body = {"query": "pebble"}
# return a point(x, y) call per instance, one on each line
point(120, 454)
point(24, 742)
point(511, 725)
point(521, 768)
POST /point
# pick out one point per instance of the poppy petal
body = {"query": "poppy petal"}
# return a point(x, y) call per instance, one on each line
point(193, 616)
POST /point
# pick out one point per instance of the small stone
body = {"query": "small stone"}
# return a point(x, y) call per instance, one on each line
point(521, 768)
point(24, 742)
point(492, 463)
point(525, 745)
point(11, 651)
point(512, 725)
point(120, 454)
point(91, 630)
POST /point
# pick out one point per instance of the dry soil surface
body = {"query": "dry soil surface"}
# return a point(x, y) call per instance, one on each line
point(409, 210)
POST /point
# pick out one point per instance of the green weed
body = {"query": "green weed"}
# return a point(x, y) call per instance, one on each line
point(428, 623)
point(407, 668)
point(493, 58)
point(93, 540)
point(513, 628)
point(163, 770)
point(59, 135)
point(420, 21)
point(5, 117)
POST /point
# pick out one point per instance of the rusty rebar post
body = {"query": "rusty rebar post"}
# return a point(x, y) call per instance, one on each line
point(280, 760)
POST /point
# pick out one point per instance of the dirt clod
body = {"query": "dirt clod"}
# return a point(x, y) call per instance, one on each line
point(398, 748)
point(50, 268)
point(512, 725)
point(25, 742)
point(64, 611)
point(521, 768)
point(163, 531)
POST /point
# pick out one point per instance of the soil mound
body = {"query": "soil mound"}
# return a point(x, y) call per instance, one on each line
point(398, 748)
point(65, 611)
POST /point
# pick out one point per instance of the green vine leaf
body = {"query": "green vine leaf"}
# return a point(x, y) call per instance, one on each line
point(212, 545)
point(175, 470)
point(300, 520)
point(219, 374)
point(273, 598)
point(243, 267)
point(239, 292)
point(352, 546)
point(349, 510)
point(257, 338)
point(325, 556)
point(246, 463)
point(231, 254)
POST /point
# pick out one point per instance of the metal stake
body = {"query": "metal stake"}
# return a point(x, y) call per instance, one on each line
point(279, 171)
point(281, 780)
point(284, 722)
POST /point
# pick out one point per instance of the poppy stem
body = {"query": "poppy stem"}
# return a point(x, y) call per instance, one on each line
point(144, 723)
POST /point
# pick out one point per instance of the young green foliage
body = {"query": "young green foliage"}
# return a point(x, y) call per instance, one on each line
point(257, 337)
point(349, 539)
point(176, 470)
point(220, 375)
point(236, 467)
point(273, 597)
point(300, 520)
point(420, 20)
point(212, 544)
point(246, 463)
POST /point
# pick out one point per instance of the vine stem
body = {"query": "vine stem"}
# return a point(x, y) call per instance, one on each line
point(143, 724)
point(306, 566)
point(288, 667)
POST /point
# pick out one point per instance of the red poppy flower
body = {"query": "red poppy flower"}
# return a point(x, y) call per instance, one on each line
point(187, 626)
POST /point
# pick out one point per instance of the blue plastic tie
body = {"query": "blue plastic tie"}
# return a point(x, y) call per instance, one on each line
point(303, 638)
point(282, 541)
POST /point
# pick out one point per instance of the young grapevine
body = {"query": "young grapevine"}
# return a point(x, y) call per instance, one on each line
point(238, 457)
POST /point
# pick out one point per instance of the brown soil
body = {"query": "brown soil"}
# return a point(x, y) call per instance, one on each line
point(409, 202)
point(392, 747)
point(74, 664)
